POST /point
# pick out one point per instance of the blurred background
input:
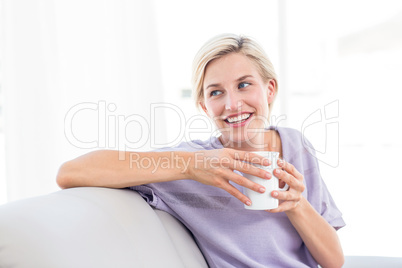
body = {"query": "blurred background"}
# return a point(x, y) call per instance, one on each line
point(76, 76)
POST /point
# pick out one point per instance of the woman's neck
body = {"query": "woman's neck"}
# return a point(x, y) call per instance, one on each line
point(268, 141)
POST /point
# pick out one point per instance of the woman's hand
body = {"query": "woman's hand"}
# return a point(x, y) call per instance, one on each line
point(215, 167)
point(291, 198)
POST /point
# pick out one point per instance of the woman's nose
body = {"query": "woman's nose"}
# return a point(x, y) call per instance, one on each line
point(233, 102)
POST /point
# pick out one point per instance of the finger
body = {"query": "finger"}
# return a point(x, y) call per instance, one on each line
point(281, 208)
point(250, 157)
point(285, 206)
point(288, 167)
point(286, 196)
point(251, 169)
point(236, 193)
point(289, 180)
point(243, 181)
point(276, 210)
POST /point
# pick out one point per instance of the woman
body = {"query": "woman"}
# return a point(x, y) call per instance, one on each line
point(201, 183)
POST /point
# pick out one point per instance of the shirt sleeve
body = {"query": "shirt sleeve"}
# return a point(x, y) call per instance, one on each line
point(147, 193)
point(330, 211)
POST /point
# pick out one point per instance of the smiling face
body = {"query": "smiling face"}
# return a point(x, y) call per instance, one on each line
point(236, 98)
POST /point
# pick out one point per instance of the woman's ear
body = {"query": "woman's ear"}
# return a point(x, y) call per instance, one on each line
point(271, 90)
point(202, 104)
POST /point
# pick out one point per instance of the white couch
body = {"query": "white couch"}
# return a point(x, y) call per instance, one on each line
point(93, 227)
point(100, 227)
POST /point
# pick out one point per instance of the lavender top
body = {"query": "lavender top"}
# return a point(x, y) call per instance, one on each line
point(231, 236)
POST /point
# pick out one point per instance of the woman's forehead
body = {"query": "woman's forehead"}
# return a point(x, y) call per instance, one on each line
point(229, 68)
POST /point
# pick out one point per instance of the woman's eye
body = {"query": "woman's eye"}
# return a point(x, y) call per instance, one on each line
point(216, 93)
point(243, 84)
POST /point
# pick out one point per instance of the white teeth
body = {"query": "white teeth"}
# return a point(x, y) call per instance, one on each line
point(238, 118)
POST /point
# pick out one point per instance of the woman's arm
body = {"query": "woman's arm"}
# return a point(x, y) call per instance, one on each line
point(319, 236)
point(116, 169)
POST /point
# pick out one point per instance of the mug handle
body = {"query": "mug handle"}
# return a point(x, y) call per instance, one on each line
point(284, 187)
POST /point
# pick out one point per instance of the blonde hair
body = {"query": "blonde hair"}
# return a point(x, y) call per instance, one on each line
point(225, 44)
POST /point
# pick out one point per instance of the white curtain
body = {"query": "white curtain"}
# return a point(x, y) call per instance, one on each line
point(77, 75)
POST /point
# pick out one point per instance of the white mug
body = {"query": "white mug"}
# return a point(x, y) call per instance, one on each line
point(264, 201)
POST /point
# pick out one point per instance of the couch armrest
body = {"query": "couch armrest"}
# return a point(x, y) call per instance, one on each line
point(87, 227)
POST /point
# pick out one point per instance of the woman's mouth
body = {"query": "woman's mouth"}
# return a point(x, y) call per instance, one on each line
point(238, 120)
